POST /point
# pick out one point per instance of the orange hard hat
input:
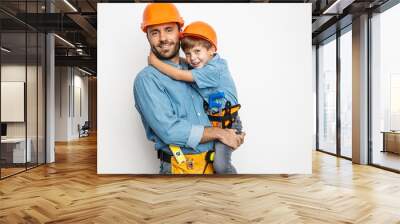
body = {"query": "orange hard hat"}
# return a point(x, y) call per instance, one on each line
point(201, 30)
point(158, 13)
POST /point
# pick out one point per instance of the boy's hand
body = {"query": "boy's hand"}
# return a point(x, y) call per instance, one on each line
point(152, 58)
point(230, 138)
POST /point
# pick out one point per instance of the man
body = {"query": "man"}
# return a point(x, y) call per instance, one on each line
point(172, 111)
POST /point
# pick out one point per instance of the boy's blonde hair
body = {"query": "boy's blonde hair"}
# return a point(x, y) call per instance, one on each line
point(190, 42)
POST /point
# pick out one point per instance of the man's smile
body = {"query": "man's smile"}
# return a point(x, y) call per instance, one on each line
point(165, 46)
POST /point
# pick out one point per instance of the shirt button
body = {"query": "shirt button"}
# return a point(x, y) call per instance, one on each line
point(198, 114)
point(192, 97)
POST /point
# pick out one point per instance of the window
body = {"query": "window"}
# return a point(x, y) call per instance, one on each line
point(346, 94)
point(385, 88)
point(327, 97)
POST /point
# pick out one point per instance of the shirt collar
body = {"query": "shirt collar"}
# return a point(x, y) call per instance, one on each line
point(216, 56)
point(182, 64)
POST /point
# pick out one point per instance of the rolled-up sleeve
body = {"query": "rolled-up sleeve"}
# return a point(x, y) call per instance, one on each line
point(156, 108)
point(196, 133)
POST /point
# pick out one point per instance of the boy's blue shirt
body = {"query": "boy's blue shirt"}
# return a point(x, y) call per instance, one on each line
point(213, 77)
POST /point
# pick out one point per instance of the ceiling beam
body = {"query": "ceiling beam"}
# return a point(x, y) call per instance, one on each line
point(85, 25)
point(85, 61)
point(337, 7)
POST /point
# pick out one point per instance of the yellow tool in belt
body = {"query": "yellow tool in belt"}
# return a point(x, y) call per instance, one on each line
point(191, 163)
point(178, 154)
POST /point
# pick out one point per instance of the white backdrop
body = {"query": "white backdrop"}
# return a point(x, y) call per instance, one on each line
point(268, 49)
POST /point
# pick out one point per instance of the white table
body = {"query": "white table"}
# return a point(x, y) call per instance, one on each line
point(19, 155)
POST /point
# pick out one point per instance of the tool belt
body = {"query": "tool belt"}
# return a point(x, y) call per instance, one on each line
point(224, 118)
point(194, 163)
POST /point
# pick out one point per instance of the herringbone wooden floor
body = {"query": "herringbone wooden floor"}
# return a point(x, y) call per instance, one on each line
point(70, 191)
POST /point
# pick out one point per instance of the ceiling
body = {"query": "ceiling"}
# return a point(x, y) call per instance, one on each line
point(76, 22)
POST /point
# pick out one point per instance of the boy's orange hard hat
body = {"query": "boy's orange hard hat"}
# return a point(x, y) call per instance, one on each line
point(201, 30)
point(159, 13)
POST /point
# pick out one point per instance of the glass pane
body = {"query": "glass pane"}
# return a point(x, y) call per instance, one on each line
point(386, 89)
point(13, 87)
point(31, 83)
point(31, 101)
point(327, 97)
point(41, 98)
point(346, 93)
point(23, 84)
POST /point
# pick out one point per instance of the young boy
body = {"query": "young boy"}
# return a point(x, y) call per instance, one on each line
point(209, 74)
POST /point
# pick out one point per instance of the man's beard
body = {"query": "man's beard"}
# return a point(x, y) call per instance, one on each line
point(162, 57)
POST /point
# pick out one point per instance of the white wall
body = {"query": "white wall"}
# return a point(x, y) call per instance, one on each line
point(314, 89)
point(80, 102)
point(68, 81)
point(61, 103)
point(268, 49)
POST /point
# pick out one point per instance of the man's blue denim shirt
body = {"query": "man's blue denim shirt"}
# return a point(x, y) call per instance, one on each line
point(171, 111)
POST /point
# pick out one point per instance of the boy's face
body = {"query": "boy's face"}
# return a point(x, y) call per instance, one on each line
point(198, 56)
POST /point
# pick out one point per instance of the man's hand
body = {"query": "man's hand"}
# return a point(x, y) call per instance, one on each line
point(230, 138)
